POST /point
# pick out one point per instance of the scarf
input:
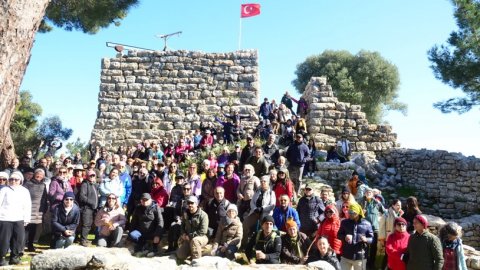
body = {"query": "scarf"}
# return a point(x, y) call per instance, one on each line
point(297, 250)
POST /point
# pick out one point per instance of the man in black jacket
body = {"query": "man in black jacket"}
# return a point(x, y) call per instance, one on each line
point(297, 155)
point(266, 245)
point(88, 201)
point(146, 224)
point(216, 210)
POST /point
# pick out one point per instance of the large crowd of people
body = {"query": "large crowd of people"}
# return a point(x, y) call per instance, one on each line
point(249, 200)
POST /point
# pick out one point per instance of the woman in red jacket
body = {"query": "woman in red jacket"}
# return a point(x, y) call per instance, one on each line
point(283, 186)
point(329, 228)
point(159, 193)
point(396, 244)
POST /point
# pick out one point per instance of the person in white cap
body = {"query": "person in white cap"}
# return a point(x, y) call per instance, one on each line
point(3, 179)
point(229, 234)
point(15, 211)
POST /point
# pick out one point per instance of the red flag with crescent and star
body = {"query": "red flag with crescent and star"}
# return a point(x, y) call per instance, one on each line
point(249, 10)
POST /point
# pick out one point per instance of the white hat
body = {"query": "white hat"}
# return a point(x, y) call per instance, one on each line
point(207, 131)
point(18, 175)
point(3, 175)
point(232, 207)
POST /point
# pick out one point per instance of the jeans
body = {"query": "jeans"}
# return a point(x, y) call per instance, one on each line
point(348, 264)
point(63, 241)
point(112, 240)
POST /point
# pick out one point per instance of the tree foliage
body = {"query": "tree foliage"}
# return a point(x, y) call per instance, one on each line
point(365, 78)
point(78, 147)
point(51, 129)
point(85, 15)
point(458, 62)
point(24, 124)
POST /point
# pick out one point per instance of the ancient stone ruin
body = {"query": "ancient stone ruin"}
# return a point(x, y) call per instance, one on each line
point(150, 95)
point(329, 120)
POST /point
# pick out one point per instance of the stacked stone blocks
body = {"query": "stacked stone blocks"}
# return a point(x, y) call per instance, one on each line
point(149, 95)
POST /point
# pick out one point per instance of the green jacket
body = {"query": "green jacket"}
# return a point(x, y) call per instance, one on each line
point(424, 252)
point(195, 224)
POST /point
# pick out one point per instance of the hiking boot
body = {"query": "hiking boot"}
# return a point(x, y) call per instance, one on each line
point(14, 260)
point(3, 262)
point(31, 249)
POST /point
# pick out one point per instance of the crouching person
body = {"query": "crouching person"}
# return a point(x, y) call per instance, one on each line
point(110, 221)
point(193, 233)
point(146, 225)
point(266, 245)
point(65, 220)
point(294, 244)
point(229, 234)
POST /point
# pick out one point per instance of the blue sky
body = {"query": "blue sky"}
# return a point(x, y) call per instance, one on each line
point(64, 70)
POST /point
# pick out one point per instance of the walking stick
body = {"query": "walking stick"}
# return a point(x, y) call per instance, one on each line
point(314, 240)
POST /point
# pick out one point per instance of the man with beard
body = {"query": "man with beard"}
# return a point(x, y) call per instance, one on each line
point(271, 150)
point(309, 211)
point(249, 183)
point(259, 163)
point(194, 229)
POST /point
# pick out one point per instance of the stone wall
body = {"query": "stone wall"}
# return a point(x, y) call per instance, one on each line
point(330, 119)
point(148, 95)
point(447, 184)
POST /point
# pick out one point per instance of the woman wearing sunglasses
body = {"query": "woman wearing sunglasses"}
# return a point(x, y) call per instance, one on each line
point(396, 244)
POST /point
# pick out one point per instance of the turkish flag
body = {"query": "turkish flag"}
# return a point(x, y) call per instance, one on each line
point(249, 10)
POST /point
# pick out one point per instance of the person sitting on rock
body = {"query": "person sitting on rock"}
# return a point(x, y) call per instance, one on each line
point(110, 221)
point(65, 220)
point(229, 234)
point(294, 244)
point(146, 224)
point(309, 211)
point(175, 213)
point(216, 210)
point(266, 245)
point(193, 235)
point(284, 212)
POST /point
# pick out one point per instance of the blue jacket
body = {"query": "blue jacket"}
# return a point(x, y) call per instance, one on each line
point(357, 250)
point(265, 109)
point(297, 154)
point(127, 187)
point(281, 217)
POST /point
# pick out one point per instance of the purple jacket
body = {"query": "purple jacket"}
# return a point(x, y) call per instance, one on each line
point(57, 190)
point(230, 187)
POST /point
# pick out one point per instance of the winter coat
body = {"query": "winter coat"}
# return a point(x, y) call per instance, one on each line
point(15, 204)
point(357, 249)
point(386, 226)
point(425, 252)
point(216, 211)
point(247, 152)
point(126, 181)
point(248, 187)
point(283, 187)
point(109, 186)
point(105, 217)
point(260, 165)
point(395, 247)
point(288, 254)
point(329, 257)
point(372, 209)
point(268, 203)
point(38, 196)
point(329, 228)
point(281, 216)
point(309, 211)
point(265, 109)
point(160, 194)
point(195, 224)
point(229, 232)
point(57, 189)
point(61, 221)
point(139, 186)
point(230, 187)
point(297, 154)
point(271, 245)
point(148, 220)
point(88, 195)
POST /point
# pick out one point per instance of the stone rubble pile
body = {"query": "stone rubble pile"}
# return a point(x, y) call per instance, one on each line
point(148, 95)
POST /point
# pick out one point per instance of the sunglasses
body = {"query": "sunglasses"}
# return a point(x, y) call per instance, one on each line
point(13, 179)
point(3, 179)
point(63, 172)
point(401, 224)
point(187, 188)
point(93, 175)
point(308, 189)
point(111, 198)
point(328, 212)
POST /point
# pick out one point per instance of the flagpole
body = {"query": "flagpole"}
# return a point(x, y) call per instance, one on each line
point(240, 34)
